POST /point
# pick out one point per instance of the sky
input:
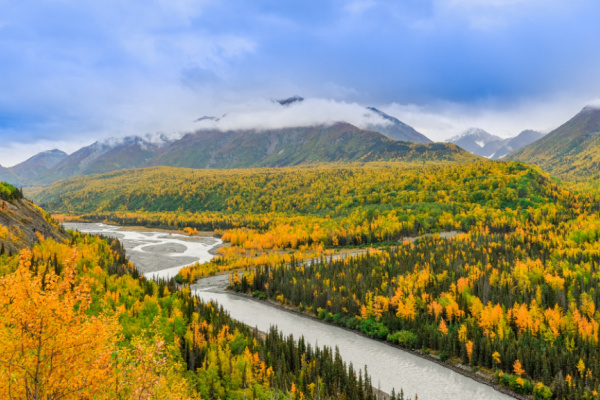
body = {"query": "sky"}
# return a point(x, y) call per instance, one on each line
point(76, 71)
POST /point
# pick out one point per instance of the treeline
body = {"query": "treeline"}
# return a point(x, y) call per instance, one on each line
point(79, 321)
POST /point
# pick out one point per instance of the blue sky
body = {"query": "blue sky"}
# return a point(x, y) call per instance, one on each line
point(72, 72)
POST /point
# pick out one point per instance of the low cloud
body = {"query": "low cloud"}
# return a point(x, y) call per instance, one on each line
point(268, 114)
point(179, 111)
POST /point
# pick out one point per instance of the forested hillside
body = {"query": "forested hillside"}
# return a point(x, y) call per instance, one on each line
point(515, 292)
point(79, 322)
point(265, 210)
point(571, 151)
point(22, 223)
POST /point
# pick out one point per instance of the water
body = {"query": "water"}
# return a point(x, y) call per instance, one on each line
point(388, 367)
point(156, 254)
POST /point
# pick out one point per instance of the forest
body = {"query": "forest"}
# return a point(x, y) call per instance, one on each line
point(142, 339)
point(510, 290)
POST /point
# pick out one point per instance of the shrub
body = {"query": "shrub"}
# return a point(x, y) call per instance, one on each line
point(404, 338)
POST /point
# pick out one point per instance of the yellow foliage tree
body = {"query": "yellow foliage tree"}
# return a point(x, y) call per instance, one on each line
point(581, 367)
point(49, 348)
point(496, 357)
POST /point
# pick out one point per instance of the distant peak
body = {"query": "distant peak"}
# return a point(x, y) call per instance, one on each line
point(53, 152)
point(206, 118)
point(383, 115)
point(290, 100)
point(478, 132)
point(475, 131)
point(210, 118)
point(589, 109)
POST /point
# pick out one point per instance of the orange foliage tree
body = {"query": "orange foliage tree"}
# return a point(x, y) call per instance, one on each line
point(49, 347)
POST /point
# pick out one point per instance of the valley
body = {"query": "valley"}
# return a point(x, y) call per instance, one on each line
point(305, 200)
point(485, 267)
point(386, 365)
point(491, 296)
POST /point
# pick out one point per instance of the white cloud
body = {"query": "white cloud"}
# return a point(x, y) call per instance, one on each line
point(594, 103)
point(177, 110)
point(267, 114)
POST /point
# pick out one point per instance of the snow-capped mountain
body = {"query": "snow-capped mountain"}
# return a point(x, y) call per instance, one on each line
point(482, 143)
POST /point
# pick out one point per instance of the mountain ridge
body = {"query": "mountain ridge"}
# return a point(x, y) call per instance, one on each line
point(32, 167)
point(396, 129)
point(338, 142)
point(570, 151)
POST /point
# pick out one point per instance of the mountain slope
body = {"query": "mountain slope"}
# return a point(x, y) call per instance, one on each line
point(7, 175)
point(38, 164)
point(32, 167)
point(340, 142)
point(511, 144)
point(570, 151)
point(396, 129)
point(21, 221)
point(105, 156)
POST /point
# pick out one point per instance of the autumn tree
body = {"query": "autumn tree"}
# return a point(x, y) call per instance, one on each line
point(518, 368)
point(49, 348)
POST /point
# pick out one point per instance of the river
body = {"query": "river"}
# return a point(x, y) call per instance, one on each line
point(156, 254)
point(389, 367)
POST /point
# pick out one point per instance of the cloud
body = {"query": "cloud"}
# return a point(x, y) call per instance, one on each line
point(82, 71)
point(267, 114)
point(443, 120)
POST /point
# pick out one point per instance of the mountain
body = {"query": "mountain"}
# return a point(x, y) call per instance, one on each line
point(104, 156)
point(484, 144)
point(32, 167)
point(521, 140)
point(571, 150)
point(396, 129)
point(38, 164)
point(478, 141)
point(340, 142)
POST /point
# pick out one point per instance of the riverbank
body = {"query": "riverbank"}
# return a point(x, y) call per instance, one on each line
point(434, 381)
point(479, 376)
